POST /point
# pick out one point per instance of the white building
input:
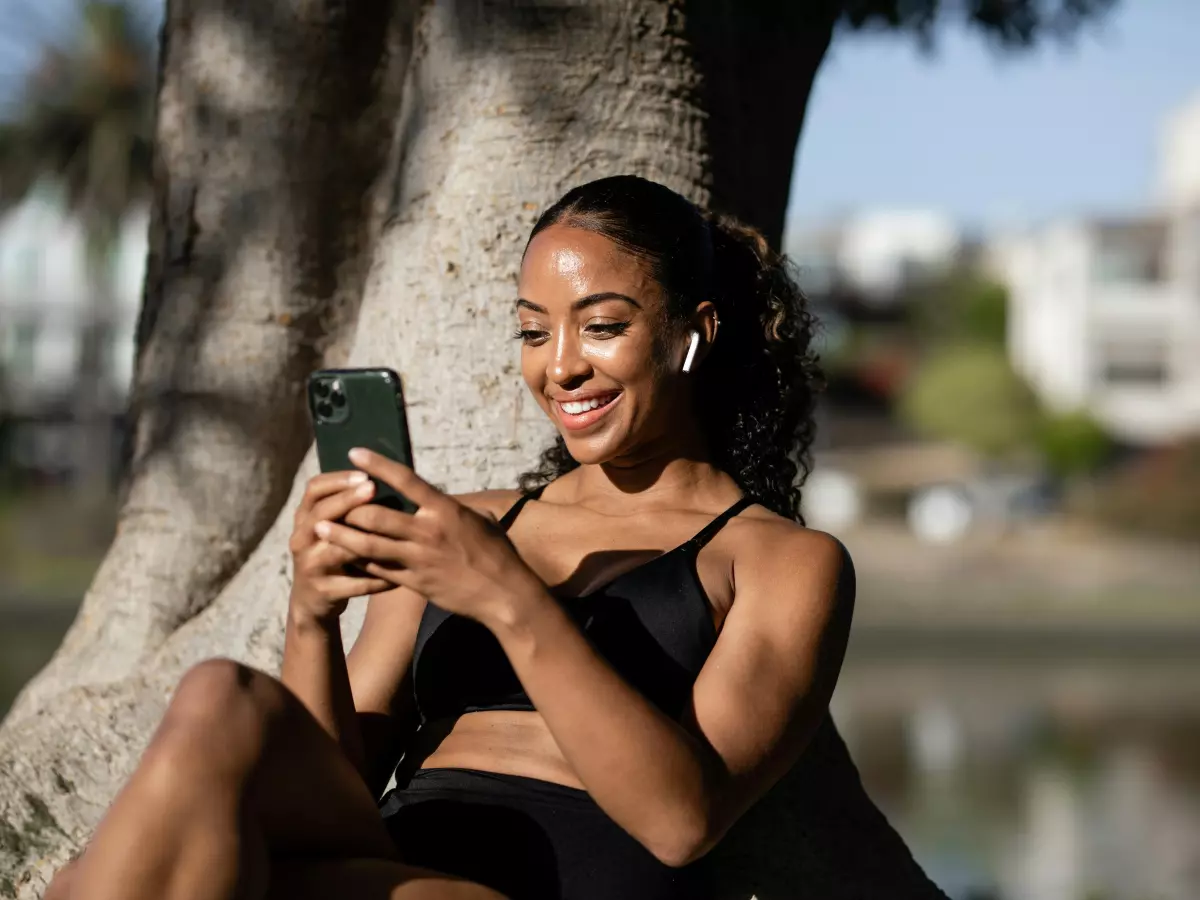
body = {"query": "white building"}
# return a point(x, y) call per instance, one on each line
point(1179, 157)
point(46, 299)
point(875, 253)
point(1105, 313)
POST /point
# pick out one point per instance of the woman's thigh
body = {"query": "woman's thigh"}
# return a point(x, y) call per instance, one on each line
point(302, 794)
point(367, 879)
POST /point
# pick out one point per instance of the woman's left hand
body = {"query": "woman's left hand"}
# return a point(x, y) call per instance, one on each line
point(451, 555)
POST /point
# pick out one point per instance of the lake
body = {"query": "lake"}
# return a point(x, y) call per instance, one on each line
point(1034, 764)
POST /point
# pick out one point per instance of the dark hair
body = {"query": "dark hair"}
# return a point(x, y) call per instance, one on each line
point(760, 380)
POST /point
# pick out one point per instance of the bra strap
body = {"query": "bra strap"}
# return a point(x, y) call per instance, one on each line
point(515, 510)
point(706, 534)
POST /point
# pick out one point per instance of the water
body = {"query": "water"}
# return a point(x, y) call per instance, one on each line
point(1018, 766)
point(1035, 768)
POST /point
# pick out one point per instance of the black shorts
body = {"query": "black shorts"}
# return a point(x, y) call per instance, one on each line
point(528, 839)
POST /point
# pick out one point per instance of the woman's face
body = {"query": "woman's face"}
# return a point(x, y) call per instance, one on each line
point(598, 351)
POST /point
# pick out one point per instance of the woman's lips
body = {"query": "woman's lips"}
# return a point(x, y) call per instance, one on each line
point(577, 421)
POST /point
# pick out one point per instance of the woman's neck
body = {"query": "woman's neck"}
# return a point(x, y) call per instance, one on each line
point(671, 478)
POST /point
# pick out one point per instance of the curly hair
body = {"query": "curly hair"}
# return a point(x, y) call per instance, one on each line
point(758, 386)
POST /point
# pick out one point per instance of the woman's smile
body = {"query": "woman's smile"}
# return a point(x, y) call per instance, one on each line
point(583, 409)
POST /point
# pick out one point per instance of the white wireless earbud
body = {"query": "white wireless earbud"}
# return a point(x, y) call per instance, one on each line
point(691, 353)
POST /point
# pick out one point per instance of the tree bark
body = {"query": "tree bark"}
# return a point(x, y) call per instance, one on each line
point(263, 240)
point(270, 134)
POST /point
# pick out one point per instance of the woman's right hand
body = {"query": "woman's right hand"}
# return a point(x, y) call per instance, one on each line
point(321, 586)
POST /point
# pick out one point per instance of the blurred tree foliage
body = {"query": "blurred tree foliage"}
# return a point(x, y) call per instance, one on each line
point(1012, 23)
point(1072, 443)
point(83, 118)
point(962, 306)
point(84, 114)
point(967, 391)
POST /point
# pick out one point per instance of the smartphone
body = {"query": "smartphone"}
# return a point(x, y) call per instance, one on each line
point(360, 408)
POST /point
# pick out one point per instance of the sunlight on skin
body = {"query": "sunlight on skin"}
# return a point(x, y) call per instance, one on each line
point(641, 362)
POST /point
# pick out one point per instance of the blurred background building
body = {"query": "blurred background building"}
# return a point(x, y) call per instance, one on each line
point(1105, 312)
point(47, 305)
point(1010, 447)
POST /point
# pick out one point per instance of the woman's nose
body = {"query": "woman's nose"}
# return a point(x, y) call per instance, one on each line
point(567, 362)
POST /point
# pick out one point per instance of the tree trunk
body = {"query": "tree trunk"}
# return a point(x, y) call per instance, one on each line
point(270, 134)
point(261, 238)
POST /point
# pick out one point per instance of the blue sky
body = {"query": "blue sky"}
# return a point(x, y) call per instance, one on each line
point(984, 137)
point(990, 139)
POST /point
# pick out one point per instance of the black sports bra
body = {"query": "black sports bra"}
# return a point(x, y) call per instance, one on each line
point(652, 623)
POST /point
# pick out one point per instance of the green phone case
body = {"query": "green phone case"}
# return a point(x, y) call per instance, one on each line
point(360, 408)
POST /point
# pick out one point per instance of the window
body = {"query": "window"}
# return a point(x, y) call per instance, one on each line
point(1133, 363)
point(1130, 253)
point(29, 269)
point(24, 349)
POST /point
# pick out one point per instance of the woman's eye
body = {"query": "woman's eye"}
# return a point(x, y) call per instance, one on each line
point(604, 330)
point(531, 336)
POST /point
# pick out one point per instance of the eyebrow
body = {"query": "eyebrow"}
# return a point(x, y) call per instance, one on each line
point(581, 303)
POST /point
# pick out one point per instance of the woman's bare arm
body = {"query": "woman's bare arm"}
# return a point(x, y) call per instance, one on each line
point(678, 787)
point(364, 698)
point(379, 671)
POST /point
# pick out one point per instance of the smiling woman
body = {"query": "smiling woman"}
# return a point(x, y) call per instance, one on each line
point(695, 274)
point(579, 686)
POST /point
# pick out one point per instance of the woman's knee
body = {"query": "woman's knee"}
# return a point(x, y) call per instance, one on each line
point(59, 887)
point(221, 709)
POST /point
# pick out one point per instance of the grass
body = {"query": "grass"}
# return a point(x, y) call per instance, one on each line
point(27, 641)
point(51, 541)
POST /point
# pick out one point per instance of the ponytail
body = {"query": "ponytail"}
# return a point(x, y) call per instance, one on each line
point(760, 381)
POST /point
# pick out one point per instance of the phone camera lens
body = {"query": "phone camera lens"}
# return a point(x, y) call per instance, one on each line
point(324, 409)
point(338, 399)
point(322, 388)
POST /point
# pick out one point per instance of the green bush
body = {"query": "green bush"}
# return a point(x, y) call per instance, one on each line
point(1072, 443)
point(963, 306)
point(968, 392)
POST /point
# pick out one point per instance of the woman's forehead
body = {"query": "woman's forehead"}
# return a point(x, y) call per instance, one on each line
point(582, 261)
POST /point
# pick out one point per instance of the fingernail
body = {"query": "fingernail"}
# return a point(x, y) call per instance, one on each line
point(356, 477)
point(322, 529)
point(360, 455)
point(364, 490)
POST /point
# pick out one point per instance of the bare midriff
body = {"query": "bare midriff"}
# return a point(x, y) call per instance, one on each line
point(502, 741)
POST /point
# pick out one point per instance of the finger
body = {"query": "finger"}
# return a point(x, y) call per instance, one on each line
point(363, 544)
point(381, 520)
point(405, 578)
point(393, 574)
point(321, 486)
point(397, 475)
point(350, 586)
point(338, 505)
point(324, 557)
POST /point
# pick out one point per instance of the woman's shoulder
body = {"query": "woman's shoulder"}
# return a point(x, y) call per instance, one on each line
point(775, 546)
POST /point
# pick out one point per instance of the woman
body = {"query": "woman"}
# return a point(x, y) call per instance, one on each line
point(589, 680)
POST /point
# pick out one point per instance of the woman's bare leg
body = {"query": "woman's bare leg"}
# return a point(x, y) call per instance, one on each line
point(237, 772)
point(59, 887)
point(367, 879)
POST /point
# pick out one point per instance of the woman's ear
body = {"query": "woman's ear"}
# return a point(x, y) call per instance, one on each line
point(702, 333)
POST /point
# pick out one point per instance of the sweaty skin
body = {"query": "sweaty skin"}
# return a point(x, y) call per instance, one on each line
point(593, 324)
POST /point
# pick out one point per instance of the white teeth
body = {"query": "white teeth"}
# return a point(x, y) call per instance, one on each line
point(574, 408)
